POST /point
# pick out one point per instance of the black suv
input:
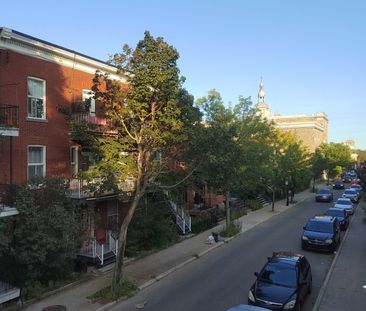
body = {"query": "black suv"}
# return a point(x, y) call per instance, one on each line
point(321, 232)
point(283, 282)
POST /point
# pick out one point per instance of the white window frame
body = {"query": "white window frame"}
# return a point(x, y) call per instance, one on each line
point(37, 164)
point(74, 150)
point(86, 94)
point(43, 98)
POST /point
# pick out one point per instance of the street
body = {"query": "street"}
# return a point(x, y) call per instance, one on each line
point(223, 278)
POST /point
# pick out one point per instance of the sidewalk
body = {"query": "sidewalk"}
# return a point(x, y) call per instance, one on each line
point(345, 287)
point(150, 269)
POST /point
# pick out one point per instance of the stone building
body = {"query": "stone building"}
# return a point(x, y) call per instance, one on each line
point(311, 130)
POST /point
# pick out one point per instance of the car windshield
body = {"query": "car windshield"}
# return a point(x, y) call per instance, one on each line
point(349, 192)
point(324, 191)
point(278, 274)
point(344, 202)
point(335, 213)
point(319, 226)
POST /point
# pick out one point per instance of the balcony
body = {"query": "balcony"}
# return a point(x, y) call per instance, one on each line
point(7, 195)
point(98, 125)
point(80, 188)
point(9, 120)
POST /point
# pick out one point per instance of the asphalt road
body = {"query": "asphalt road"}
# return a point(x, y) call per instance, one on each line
point(223, 277)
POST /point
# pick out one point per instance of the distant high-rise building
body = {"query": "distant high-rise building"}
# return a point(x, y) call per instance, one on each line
point(311, 130)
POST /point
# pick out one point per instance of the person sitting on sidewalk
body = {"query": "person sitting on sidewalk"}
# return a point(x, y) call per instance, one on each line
point(210, 239)
point(217, 237)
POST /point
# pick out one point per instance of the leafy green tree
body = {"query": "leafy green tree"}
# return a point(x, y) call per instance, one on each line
point(361, 155)
point(231, 148)
point(45, 237)
point(214, 148)
point(328, 156)
point(149, 121)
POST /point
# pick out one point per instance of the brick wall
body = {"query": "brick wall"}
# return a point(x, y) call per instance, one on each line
point(63, 86)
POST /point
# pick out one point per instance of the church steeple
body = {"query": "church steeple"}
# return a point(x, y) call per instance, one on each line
point(261, 107)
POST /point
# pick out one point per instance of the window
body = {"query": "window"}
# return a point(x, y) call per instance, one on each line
point(74, 161)
point(36, 161)
point(36, 98)
point(88, 97)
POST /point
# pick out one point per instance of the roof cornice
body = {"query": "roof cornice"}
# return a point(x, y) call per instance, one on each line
point(31, 46)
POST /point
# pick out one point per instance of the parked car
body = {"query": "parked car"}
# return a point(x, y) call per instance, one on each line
point(358, 189)
point(247, 308)
point(341, 215)
point(346, 204)
point(347, 178)
point(324, 195)
point(322, 233)
point(283, 282)
point(351, 194)
point(355, 181)
point(338, 184)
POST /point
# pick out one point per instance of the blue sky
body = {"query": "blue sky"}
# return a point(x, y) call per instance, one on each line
point(311, 54)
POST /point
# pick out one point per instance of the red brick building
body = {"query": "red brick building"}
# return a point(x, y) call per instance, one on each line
point(36, 79)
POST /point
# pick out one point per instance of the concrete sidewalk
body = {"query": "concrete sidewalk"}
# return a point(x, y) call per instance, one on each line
point(345, 286)
point(150, 269)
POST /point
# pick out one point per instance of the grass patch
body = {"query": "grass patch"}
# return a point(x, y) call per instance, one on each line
point(107, 294)
point(232, 230)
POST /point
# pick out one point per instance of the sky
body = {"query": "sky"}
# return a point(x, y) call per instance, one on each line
point(311, 54)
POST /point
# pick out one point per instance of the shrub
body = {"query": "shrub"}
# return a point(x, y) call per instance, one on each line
point(234, 228)
point(152, 227)
point(46, 235)
point(201, 223)
point(253, 204)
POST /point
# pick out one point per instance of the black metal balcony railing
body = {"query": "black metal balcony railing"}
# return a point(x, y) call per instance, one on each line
point(96, 124)
point(9, 116)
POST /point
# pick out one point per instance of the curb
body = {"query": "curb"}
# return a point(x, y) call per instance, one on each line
point(330, 271)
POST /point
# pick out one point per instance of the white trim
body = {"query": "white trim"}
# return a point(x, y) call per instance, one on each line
point(44, 159)
point(44, 98)
point(27, 46)
point(9, 294)
point(317, 115)
point(11, 131)
point(6, 211)
point(297, 125)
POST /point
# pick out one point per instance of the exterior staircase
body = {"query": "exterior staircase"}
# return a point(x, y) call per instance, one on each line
point(263, 201)
point(182, 217)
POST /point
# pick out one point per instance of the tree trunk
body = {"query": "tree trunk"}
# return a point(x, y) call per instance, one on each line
point(122, 239)
point(227, 208)
point(273, 198)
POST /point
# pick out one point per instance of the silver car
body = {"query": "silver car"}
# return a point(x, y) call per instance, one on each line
point(351, 194)
point(346, 204)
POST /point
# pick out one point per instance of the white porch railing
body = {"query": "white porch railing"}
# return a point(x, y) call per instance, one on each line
point(93, 249)
point(182, 218)
point(78, 187)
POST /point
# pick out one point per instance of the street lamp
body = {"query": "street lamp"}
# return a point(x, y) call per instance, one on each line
point(286, 184)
